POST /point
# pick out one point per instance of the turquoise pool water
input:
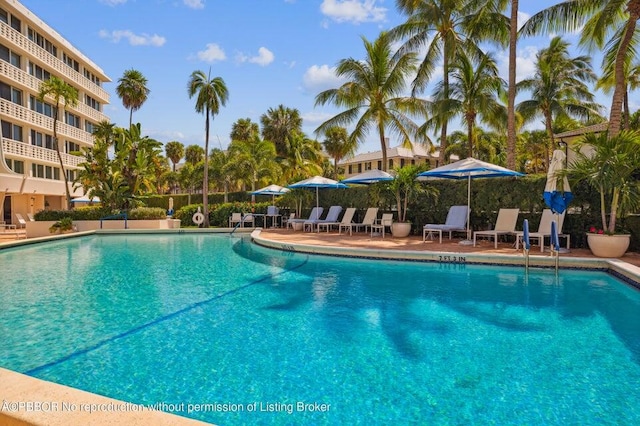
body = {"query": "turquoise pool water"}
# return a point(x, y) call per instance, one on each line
point(205, 319)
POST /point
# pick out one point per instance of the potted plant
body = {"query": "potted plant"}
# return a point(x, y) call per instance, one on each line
point(405, 188)
point(608, 166)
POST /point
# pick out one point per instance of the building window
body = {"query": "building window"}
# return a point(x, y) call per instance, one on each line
point(11, 131)
point(70, 62)
point(390, 164)
point(379, 164)
point(92, 77)
point(89, 127)
point(15, 165)
point(9, 56)
point(367, 166)
point(39, 139)
point(71, 119)
point(413, 162)
point(71, 175)
point(92, 102)
point(359, 167)
point(41, 107)
point(41, 41)
point(402, 162)
point(38, 72)
point(70, 147)
point(350, 169)
point(10, 93)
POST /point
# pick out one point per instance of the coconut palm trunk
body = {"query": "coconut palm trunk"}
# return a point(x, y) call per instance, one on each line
point(511, 94)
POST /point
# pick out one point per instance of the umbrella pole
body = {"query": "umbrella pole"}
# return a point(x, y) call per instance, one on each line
point(468, 241)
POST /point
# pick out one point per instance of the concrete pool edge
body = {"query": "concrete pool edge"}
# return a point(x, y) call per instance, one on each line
point(30, 401)
point(619, 268)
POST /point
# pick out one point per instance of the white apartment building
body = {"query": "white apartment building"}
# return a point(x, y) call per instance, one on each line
point(31, 52)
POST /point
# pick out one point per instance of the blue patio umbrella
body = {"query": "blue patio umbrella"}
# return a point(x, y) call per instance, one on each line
point(369, 177)
point(318, 182)
point(468, 168)
point(557, 193)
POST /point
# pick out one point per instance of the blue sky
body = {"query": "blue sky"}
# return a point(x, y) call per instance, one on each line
point(269, 52)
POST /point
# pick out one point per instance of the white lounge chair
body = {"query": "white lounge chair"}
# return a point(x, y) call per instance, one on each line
point(234, 219)
point(287, 221)
point(544, 229)
point(31, 217)
point(367, 221)
point(505, 225)
point(274, 213)
point(21, 222)
point(316, 212)
point(456, 222)
point(385, 222)
point(346, 219)
point(332, 216)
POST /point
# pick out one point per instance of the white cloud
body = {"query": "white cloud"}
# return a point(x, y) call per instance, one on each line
point(264, 57)
point(316, 118)
point(355, 11)
point(212, 53)
point(522, 18)
point(113, 2)
point(525, 60)
point(134, 39)
point(323, 77)
point(194, 4)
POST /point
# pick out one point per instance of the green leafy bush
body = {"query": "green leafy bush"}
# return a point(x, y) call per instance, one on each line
point(79, 213)
point(64, 224)
point(147, 213)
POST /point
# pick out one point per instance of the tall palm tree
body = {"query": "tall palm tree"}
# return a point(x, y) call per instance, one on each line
point(174, 151)
point(61, 92)
point(210, 94)
point(596, 20)
point(255, 159)
point(278, 124)
point(473, 92)
point(372, 95)
point(511, 94)
point(132, 89)
point(441, 28)
point(244, 130)
point(338, 145)
point(559, 87)
point(304, 157)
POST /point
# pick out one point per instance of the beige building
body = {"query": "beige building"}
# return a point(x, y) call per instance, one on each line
point(31, 52)
point(569, 139)
point(397, 157)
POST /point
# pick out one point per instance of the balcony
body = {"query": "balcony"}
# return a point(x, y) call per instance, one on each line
point(21, 78)
point(32, 49)
point(34, 119)
point(38, 153)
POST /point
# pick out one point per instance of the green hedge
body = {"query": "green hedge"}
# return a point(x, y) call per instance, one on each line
point(219, 213)
point(96, 213)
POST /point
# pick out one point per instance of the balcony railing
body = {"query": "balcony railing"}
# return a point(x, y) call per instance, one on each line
point(54, 63)
point(9, 109)
point(22, 78)
point(42, 155)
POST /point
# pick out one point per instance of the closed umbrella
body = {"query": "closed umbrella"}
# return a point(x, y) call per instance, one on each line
point(318, 182)
point(557, 193)
point(469, 168)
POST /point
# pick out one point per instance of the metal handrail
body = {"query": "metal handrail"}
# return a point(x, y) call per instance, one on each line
point(115, 216)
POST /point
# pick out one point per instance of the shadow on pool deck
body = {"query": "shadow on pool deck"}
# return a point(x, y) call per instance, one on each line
point(415, 243)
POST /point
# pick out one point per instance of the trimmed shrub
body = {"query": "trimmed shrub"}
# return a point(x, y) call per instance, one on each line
point(147, 213)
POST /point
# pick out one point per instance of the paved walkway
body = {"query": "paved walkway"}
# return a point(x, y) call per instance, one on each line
point(362, 240)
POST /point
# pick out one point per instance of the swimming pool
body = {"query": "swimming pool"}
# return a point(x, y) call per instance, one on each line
point(205, 319)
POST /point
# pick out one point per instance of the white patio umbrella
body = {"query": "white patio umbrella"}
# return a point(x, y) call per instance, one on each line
point(318, 182)
point(369, 177)
point(272, 190)
point(468, 168)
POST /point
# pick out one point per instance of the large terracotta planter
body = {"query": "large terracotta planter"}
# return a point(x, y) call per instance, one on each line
point(400, 229)
point(603, 245)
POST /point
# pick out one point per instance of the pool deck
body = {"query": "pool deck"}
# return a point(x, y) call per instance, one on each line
point(19, 390)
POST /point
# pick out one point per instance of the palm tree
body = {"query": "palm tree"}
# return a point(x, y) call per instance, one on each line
point(304, 158)
point(558, 88)
point(596, 20)
point(473, 92)
point(68, 95)
point(372, 95)
point(444, 27)
point(132, 89)
point(244, 130)
point(338, 145)
point(511, 94)
point(255, 160)
point(174, 151)
point(211, 95)
point(279, 124)
point(193, 154)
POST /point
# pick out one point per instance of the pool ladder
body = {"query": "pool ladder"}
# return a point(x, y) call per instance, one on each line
point(526, 244)
point(554, 243)
point(239, 223)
